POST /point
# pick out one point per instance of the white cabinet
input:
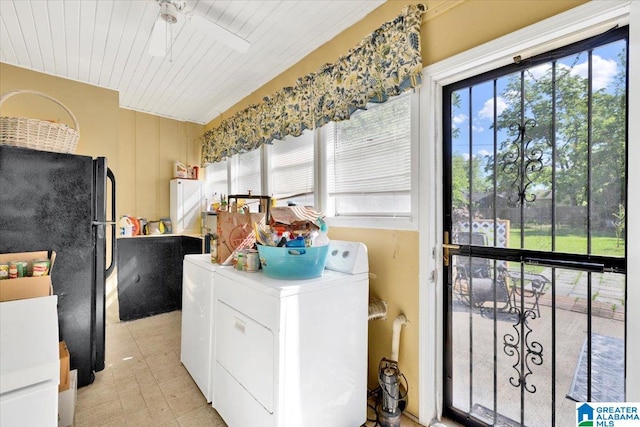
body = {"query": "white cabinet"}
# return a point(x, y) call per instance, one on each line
point(32, 406)
point(29, 362)
point(290, 353)
point(197, 344)
point(185, 200)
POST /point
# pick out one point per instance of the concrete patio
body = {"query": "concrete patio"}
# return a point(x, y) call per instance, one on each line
point(484, 343)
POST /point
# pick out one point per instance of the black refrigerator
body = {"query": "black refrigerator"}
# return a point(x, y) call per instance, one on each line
point(58, 202)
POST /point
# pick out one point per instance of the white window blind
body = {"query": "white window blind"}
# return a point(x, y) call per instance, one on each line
point(216, 181)
point(245, 173)
point(291, 166)
point(369, 161)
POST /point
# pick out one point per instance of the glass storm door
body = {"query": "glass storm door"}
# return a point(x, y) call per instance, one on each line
point(535, 196)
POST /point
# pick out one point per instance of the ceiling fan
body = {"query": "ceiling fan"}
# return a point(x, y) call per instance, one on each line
point(172, 10)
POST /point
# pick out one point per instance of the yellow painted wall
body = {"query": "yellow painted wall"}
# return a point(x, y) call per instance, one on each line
point(96, 109)
point(449, 27)
point(140, 148)
point(148, 147)
point(393, 277)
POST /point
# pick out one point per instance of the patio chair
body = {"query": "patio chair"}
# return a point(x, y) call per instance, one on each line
point(531, 286)
point(478, 291)
point(474, 283)
point(480, 267)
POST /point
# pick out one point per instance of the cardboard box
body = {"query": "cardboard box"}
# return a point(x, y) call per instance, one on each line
point(67, 401)
point(64, 367)
point(26, 287)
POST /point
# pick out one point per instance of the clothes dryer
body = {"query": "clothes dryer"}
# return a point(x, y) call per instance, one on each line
point(293, 352)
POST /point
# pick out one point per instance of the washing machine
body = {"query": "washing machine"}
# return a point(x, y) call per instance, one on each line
point(292, 353)
point(197, 345)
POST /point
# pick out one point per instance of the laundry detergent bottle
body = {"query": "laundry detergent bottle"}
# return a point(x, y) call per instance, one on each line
point(322, 239)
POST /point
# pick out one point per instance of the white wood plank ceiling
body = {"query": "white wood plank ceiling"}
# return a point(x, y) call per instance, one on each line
point(105, 43)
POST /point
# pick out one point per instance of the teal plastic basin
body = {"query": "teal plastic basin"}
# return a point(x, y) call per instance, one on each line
point(293, 263)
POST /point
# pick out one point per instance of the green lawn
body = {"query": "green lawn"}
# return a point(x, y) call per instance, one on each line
point(570, 241)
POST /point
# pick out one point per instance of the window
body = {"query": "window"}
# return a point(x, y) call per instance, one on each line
point(216, 181)
point(246, 173)
point(369, 161)
point(359, 172)
point(291, 167)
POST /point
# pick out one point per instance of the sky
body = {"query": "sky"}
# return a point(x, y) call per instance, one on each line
point(605, 66)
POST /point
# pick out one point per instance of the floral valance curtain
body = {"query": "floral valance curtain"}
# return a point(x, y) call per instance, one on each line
point(384, 64)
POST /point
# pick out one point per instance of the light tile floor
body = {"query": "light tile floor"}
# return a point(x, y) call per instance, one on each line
point(144, 383)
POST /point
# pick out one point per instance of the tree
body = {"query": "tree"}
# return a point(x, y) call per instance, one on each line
point(589, 149)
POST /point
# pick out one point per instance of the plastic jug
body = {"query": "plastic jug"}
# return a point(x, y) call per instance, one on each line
point(298, 242)
point(322, 239)
point(125, 226)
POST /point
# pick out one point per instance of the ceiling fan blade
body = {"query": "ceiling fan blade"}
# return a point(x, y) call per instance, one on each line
point(158, 39)
point(232, 40)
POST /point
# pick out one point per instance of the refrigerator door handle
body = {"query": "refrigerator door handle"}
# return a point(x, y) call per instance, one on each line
point(112, 222)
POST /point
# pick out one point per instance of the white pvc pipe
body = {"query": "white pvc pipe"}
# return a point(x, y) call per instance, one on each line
point(398, 323)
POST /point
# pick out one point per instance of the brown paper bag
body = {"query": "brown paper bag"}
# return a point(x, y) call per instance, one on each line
point(233, 229)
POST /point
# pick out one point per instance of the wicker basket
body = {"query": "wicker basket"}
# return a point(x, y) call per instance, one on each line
point(38, 134)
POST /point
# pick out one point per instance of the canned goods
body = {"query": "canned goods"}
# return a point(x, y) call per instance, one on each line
point(213, 248)
point(13, 271)
point(240, 262)
point(41, 267)
point(17, 269)
point(252, 262)
point(23, 268)
point(234, 260)
point(4, 271)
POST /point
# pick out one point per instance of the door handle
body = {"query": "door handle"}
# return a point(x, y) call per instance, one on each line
point(446, 249)
point(111, 177)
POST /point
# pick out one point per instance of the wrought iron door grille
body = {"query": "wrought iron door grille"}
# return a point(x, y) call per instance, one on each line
point(522, 161)
point(535, 197)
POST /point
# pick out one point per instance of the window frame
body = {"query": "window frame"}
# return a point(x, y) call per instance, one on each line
point(404, 221)
point(234, 163)
point(321, 196)
point(268, 162)
point(209, 192)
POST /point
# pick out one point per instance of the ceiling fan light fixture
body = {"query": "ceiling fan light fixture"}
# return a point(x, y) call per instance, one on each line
point(161, 39)
point(169, 12)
